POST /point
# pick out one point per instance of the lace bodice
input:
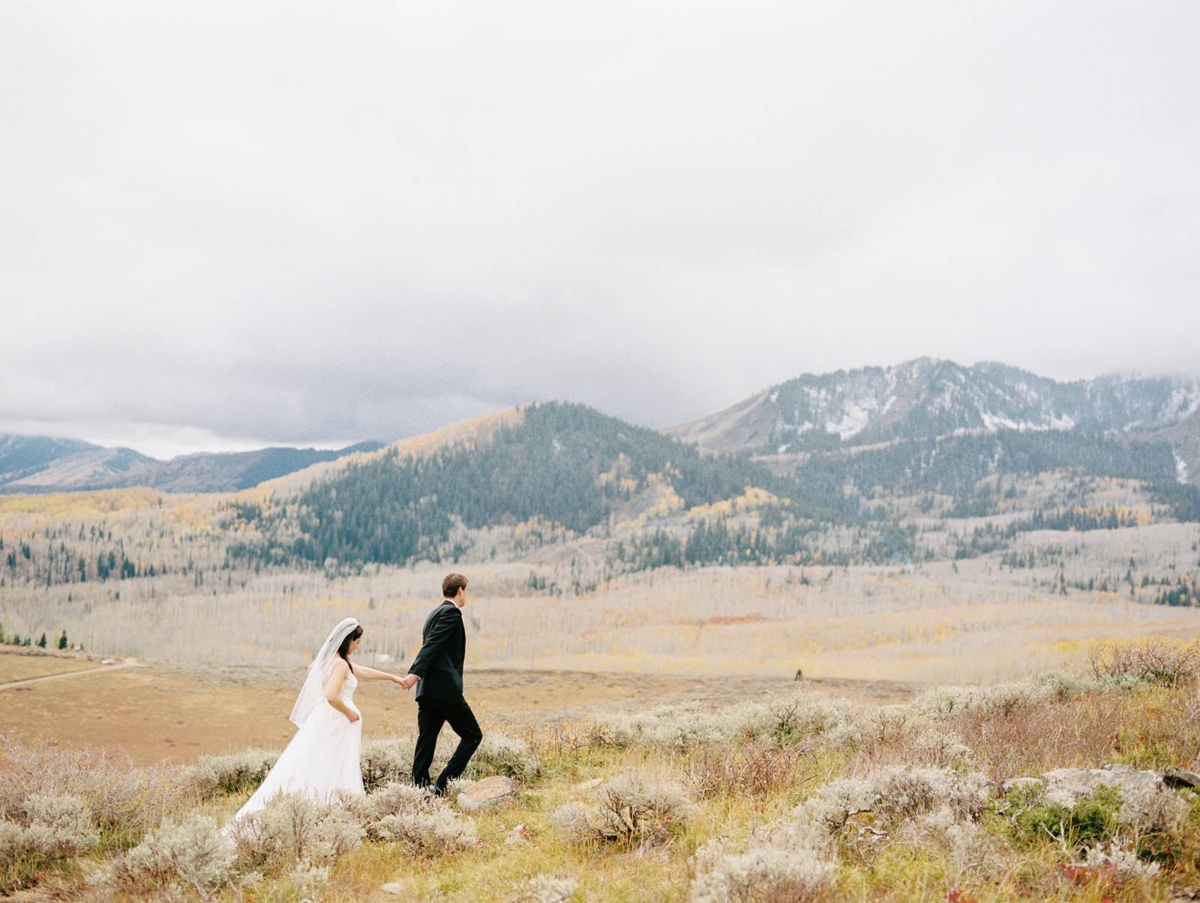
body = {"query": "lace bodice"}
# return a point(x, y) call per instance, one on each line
point(349, 685)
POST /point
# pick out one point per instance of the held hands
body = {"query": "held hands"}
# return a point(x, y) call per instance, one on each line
point(409, 681)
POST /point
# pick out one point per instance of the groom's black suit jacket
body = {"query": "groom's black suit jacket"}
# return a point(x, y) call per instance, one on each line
point(439, 664)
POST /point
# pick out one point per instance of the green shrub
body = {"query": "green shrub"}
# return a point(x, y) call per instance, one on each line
point(1093, 819)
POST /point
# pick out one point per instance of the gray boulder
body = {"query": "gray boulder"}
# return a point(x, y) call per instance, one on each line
point(489, 792)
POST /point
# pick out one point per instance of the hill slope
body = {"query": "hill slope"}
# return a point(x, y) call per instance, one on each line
point(42, 464)
point(559, 464)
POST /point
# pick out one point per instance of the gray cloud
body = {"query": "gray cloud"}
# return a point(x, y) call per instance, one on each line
point(233, 224)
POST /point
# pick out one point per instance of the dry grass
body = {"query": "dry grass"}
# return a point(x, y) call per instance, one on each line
point(22, 665)
point(744, 797)
point(1147, 727)
point(755, 768)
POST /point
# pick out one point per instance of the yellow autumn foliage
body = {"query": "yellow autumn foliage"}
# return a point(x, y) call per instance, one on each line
point(753, 497)
point(73, 505)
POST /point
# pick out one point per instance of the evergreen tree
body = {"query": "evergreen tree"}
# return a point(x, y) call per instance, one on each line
point(62, 640)
point(42, 642)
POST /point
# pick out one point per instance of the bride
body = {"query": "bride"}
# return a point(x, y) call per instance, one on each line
point(323, 756)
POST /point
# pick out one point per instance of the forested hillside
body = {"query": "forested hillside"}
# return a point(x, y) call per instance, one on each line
point(954, 465)
point(564, 464)
point(565, 470)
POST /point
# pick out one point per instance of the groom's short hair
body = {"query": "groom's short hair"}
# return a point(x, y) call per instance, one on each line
point(452, 584)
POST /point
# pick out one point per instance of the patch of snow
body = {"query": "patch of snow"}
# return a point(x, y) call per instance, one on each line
point(1184, 402)
point(782, 448)
point(805, 427)
point(1181, 469)
point(945, 401)
point(773, 397)
point(992, 422)
point(855, 418)
point(888, 404)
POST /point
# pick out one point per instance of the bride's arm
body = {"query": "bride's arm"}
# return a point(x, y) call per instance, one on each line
point(362, 672)
point(334, 686)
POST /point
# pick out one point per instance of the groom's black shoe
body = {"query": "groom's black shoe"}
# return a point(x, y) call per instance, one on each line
point(439, 790)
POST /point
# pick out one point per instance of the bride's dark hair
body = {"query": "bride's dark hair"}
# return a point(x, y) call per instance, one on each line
point(345, 647)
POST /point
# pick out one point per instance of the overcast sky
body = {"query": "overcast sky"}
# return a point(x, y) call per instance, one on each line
point(225, 225)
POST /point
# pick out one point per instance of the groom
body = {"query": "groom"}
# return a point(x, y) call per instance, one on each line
point(437, 672)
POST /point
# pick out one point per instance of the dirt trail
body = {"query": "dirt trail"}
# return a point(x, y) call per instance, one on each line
point(128, 663)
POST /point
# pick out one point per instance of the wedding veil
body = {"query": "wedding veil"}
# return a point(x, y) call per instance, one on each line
point(313, 690)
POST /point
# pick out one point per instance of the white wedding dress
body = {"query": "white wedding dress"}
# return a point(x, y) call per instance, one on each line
point(322, 758)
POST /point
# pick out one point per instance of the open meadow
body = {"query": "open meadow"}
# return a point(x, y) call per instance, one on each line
point(774, 733)
point(1062, 787)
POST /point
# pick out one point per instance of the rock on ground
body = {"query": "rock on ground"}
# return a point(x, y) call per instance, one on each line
point(489, 792)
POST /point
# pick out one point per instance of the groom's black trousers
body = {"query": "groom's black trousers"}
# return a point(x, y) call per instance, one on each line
point(431, 715)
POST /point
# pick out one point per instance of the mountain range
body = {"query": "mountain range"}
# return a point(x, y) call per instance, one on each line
point(872, 423)
point(928, 398)
point(42, 464)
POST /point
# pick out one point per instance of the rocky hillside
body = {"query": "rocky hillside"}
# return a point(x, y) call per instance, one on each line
point(929, 398)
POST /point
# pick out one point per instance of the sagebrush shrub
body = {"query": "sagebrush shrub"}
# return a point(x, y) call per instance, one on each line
point(386, 761)
point(413, 817)
point(48, 830)
point(292, 829)
point(894, 793)
point(634, 808)
point(1006, 699)
point(390, 799)
point(190, 853)
point(764, 873)
point(235, 773)
point(543, 889)
point(123, 799)
point(572, 821)
point(68, 821)
point(784, 719)
point(787, 719)
point(1125, 863)
point(665, 727)
point(498, 754)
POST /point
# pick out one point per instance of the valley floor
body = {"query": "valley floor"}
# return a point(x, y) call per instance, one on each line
point(157, 711)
